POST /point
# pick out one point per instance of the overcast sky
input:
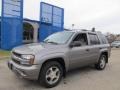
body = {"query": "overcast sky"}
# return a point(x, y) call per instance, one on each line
point(102, 14)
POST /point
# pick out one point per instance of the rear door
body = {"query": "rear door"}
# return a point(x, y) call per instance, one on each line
point(94, 47)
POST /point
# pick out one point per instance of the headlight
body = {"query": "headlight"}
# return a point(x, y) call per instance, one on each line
point(28, 59)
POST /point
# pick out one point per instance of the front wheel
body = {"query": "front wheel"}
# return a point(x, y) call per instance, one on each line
point(51, 74)
point(101, 63)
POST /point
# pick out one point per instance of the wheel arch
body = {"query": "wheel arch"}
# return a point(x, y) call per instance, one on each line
point(59, 60)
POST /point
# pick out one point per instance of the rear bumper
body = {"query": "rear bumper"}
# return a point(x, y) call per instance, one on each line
point(31, 72)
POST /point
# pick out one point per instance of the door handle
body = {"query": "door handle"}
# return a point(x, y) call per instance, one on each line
point(88, 50)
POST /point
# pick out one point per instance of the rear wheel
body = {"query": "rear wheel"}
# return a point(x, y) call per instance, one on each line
point(101, 63)
point(117, 46)
point(51, 74)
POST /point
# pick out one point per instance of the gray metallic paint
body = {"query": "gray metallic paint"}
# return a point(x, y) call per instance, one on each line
point(73, 57)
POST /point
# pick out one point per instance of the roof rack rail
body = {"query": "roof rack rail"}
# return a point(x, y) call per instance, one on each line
point(93, 29)
point(84, 30)
point(67, 29)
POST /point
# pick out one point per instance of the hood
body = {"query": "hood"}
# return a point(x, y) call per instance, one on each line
point(37, 48)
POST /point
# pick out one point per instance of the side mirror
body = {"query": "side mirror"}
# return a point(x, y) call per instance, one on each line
point(75, 44)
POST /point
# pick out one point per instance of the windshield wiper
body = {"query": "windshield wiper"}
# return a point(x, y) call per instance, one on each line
point(48, 41)
point(52, 42)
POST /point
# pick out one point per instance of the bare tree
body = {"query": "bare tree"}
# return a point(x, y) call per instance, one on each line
point(111, 37)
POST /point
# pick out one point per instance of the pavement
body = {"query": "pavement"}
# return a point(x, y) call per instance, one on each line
point(4, 57)
point(86, 78)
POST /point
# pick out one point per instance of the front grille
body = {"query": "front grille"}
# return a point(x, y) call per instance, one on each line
point(16, 61)
point(16, 54)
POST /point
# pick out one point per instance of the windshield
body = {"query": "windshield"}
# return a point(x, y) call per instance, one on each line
point(116, 42)
point(59, 38)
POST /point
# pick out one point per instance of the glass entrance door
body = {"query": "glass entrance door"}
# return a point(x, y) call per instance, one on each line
point(28, 33)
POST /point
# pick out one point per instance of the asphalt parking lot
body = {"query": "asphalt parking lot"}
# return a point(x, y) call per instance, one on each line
point(86, 78)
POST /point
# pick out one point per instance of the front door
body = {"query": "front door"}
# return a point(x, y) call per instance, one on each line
point(79, 55)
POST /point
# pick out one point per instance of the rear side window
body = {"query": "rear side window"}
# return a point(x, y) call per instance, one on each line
point(94, 39)
point(103, 39)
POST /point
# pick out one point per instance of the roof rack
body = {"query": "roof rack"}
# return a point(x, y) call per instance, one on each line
point(92, 30)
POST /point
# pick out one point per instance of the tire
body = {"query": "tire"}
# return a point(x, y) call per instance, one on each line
point(101, 63)
point(117, 46)
point(51, 74)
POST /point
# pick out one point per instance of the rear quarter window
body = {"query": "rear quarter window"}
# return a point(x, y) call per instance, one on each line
point(94, 40)
point(103, 39)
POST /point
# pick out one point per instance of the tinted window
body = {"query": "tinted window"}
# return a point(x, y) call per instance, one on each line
point(82, 38)
point(94, 39)
point(103, 39)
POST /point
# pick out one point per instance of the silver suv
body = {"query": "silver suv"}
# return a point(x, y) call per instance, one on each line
point(49, 60)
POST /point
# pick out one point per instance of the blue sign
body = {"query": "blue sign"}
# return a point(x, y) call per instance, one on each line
point(11, 24)
point(52, 20)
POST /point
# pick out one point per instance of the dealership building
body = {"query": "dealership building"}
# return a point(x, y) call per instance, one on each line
point(16, 30)
point(30, 30)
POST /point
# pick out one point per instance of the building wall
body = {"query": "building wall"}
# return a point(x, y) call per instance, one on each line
point(32, 22)
point(35, 25)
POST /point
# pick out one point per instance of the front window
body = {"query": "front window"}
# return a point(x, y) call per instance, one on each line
point(82, 38)
point(59, 38)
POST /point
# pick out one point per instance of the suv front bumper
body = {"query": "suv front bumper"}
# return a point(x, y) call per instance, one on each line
point(28, 72)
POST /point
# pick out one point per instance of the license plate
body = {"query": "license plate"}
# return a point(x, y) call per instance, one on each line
point(10, 66)
point(13, 68)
